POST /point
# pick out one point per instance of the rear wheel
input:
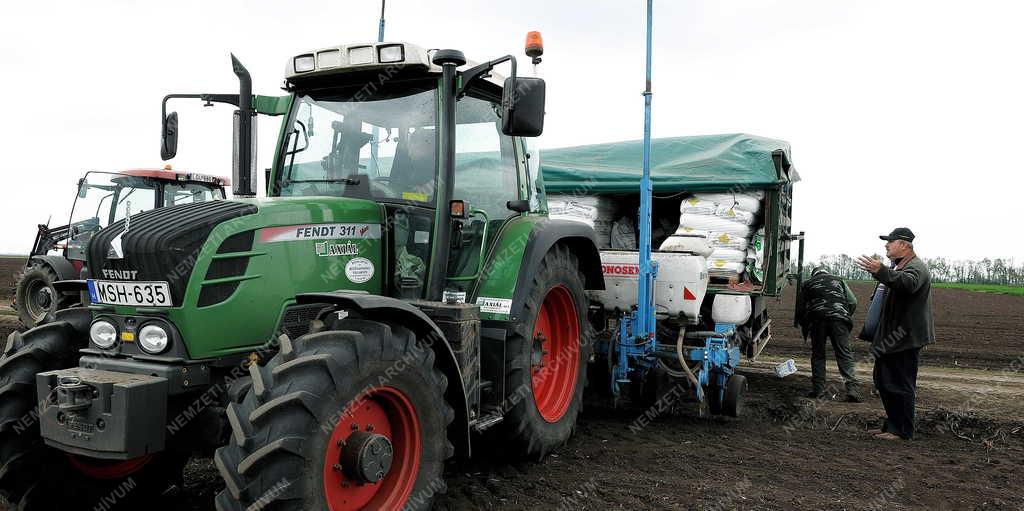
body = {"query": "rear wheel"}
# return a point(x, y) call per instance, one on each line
point(36, 297)
point(548, 358)
point(346, 419)
point(35, 476)
point(735, 388)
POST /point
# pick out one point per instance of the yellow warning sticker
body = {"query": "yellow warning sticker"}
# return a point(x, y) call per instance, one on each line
point(422, 197)
point(127, 337)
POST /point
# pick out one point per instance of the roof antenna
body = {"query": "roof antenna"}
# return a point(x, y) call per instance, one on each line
point(375, 132)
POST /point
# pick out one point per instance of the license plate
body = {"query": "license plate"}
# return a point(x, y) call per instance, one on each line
point(151, 294)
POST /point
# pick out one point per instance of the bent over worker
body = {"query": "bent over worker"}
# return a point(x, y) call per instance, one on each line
point(824, 311)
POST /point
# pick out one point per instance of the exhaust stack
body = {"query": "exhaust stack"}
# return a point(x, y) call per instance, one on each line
point(243, 168)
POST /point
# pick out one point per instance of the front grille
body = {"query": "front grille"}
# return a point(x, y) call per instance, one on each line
point(163, 244)
point(212, 294)
point(296, 318)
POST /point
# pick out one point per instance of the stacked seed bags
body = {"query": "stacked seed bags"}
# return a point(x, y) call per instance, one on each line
point(726, 224)
point(596, 211)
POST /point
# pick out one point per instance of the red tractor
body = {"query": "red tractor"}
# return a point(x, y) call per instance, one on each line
point(103, 198)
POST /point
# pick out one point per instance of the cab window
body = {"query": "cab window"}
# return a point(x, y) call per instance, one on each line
point(485, 165)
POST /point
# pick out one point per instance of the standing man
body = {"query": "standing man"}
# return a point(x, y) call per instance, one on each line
point(904, 325)
point(824, 311)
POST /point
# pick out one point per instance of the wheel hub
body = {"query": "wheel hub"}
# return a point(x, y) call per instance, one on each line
point(43, 299)
point(367, 457)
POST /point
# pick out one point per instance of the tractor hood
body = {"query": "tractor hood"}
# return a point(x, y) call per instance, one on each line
point(234, 267)
point(222, 238)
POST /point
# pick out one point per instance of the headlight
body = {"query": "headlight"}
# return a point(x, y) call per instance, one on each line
point(304, 63)
point(360, 55)
point(393, 53)
point(103, 334)
point(153, 339)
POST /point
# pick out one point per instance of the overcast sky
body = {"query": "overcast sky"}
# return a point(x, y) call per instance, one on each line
point(899, 113)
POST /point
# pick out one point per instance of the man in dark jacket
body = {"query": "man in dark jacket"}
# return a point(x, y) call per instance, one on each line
point(903, 308)
point(824, 310)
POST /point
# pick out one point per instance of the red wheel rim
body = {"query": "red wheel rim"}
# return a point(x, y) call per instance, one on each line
point(384, 411)
point(108, 469)
point(556, 352)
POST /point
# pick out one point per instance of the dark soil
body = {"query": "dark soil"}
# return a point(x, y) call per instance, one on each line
point(786, 452)
point(10, 267)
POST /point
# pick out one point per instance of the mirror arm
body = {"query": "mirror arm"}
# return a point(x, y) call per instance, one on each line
point(230, 99)
point(482, 70)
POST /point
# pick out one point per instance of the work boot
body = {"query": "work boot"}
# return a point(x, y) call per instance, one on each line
point(815, 394)
point(853, 398)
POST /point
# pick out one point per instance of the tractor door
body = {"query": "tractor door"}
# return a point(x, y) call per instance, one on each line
point(486, 178)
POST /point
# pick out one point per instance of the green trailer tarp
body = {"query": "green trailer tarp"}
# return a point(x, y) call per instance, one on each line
point(701, 163)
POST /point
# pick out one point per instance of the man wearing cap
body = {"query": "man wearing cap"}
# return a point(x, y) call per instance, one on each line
point(899, 323)
point(824, 310)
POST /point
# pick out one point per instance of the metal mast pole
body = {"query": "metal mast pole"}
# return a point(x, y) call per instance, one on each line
point(648, 271)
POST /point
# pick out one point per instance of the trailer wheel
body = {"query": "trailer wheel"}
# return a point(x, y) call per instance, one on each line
point(732, 402)
point(548, 354)
point(35, 476)
point(36, 297)
point(339, 420)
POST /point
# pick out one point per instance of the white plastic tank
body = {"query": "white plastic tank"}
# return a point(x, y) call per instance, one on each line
point(680, 288)
point(734, 309)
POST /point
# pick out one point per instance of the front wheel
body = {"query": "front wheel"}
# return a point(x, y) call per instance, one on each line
point(548, 352)
point(346, 419)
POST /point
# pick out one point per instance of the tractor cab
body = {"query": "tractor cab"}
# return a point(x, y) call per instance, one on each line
point(368, 121)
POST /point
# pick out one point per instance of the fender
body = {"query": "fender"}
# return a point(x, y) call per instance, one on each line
point(392, 309)
point(62, 267)
point(545, 234)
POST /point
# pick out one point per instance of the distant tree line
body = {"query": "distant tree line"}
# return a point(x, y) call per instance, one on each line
point(1004, 272)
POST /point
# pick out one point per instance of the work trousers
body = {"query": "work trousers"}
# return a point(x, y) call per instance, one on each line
point(839, 333)
point(896, 380)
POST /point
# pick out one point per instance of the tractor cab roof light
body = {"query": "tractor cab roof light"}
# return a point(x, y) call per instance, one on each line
point(328, 59)
point(360, 55)
point(391, 53)
point(304, 64)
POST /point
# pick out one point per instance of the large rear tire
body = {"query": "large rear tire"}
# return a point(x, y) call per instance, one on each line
point(345, 419)
point(36, 297)
point(547, 368)
point(34, 476)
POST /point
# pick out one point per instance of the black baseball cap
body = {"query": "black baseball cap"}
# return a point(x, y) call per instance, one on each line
point(899, 233)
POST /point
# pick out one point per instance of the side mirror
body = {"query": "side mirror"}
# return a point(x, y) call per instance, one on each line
point(83, 190)
point(169, 136)
point(523, 107)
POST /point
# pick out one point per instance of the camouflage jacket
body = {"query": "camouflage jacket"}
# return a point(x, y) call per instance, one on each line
point(825, 296)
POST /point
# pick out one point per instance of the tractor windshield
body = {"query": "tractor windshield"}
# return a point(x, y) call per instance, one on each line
point(104, 198)
point(362, 143)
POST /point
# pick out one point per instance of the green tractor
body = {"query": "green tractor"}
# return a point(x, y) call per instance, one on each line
point(399, 296)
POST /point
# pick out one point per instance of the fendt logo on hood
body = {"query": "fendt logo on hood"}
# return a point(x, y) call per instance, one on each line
point(119, 274)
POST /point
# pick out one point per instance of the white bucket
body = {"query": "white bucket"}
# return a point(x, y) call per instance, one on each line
point(734, 309)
